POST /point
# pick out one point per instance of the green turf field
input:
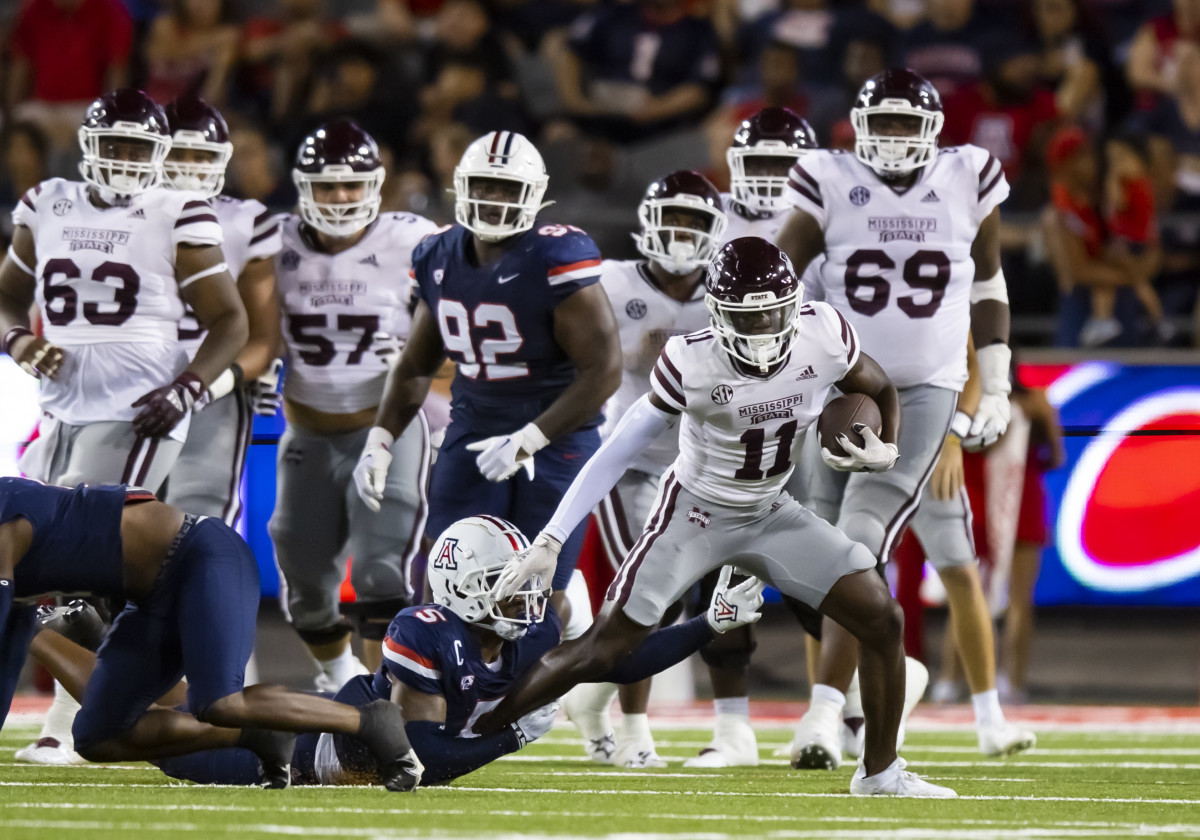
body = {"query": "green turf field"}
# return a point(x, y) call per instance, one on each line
point(1103, 784)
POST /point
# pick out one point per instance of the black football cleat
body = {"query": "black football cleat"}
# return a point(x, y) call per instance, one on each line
point(274, 750)
point(382, 732)
point(78, 621)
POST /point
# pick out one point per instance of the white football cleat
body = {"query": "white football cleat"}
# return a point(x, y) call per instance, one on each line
point(896, 781)
point(814, 748)
point(734, 744)
point(601, 750)
point(852, 737)
point(638, 755)
point(50, 752)
point(1005, 739)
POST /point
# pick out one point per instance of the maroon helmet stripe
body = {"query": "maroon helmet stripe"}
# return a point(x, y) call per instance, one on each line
point(668, 387)
point(988, 188)
point(804, 191)
point(495, 146)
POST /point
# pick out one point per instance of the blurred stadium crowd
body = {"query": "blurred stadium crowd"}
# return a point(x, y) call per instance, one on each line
point(1092, 106)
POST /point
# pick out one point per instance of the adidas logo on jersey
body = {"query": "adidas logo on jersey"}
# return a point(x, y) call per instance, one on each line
point(930, 198)
point(138, 214)
point(807, 373)
point(371, 260)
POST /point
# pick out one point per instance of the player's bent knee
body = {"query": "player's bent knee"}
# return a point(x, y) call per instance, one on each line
point(730, 651)
point(229, 710)
point(883, 626)
point(319, 636)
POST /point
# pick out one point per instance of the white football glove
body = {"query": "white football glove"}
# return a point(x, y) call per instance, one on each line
point(874, 456)
point(539, 560)
point(737, 606)
point(500, 457)
point(992, 416)
point(370, 473)
point(264, 391)
point(533, 725)
point(387, 348)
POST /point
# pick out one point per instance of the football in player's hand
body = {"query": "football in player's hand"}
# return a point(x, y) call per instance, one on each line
point(842, 415)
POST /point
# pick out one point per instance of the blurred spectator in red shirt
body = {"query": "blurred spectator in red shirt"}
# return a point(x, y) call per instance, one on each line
point(190, 38)
point(1153, 64)
point(64, 54)
point(1008, 112)
point(635, 71)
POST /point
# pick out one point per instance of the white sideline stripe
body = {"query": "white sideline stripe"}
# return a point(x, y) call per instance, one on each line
point(300, 830)
point(749, 794)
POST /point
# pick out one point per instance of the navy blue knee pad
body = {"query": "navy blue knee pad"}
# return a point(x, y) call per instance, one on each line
point(372, 618)
point(730, 651)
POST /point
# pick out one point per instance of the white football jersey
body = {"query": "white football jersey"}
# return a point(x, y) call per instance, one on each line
point(898, 264)
point(766, 226)
point(334, 303)
point(251, 233)
point(106, 278)
point(740, 435)
point(647, 317)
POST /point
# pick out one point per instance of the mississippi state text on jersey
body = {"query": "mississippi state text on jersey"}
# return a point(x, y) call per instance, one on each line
point(432, 650)
point(333, 304)
point(898, 264)
point(107, 276)
point(251, 233)
point(740, 435)
point(647, 317)
point(497, 321)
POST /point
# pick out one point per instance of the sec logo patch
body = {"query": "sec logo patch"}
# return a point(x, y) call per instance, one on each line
point(722, 394)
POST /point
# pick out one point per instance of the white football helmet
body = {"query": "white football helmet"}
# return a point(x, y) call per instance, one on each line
point(897, 92)
point(676, 248)
point(463, 566)
point(122, 116)
point(506, 156)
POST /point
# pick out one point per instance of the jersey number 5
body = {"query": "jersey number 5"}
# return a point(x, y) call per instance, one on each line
point(455, 324)
point(915, 273)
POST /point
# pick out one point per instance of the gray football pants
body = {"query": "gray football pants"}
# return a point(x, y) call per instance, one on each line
point(102, 453)
point(874, 508)
point(207, 476)
point(318, 512)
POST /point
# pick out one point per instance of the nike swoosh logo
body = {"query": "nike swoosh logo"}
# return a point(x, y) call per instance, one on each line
point(503, 280)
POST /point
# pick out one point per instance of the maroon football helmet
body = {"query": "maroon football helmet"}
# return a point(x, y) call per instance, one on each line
point(765, 146)
point(198, 127)
point(124, 138)
point(897, 97)
point(753, 298)
point(672, 244)
point(339, 152)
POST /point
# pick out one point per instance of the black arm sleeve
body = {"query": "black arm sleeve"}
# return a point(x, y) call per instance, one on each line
point(446, 757)
point(661, 649)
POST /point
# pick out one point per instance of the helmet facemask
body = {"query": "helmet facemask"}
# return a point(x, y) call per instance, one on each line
point(758, 175)
point(123, 160)
point(510, 619)
point(669, 240)
point(495, 206)
point(758, 329)
point(340, 219)
point(205, 176)
point(891, 152)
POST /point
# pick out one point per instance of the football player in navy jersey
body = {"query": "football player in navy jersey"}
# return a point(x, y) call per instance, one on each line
point(517, 305)
point(446, 664)
point(179, 572)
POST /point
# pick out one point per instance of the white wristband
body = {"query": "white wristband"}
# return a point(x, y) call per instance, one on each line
point(379, 436)
point(222, 385)
point(960, 426)
point(532, 435)
point(994, 363)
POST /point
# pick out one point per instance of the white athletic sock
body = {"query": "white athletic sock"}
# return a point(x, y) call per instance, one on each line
point(739, 706)
point(987, 709)
point(587, 706)
point(853, 707)
point(60, 717)
point(342, 667)
point(635, 729)
point(580, 602)
point(826, 703)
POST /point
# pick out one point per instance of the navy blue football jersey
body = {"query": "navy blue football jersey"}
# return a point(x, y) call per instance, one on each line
point(432, 650)
point(497, 321)
point(76, 544)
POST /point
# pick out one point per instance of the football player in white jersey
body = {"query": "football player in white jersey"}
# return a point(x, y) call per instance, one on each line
point(910, 236)
point(207, 476)
point(109, 261)
point(747, 388)
point(654, 298)
point(344, 285)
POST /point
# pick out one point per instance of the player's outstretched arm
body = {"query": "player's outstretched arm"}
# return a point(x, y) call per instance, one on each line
point(586, 329)
point(256, 286)
point(18, 284)
point(990, 318)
